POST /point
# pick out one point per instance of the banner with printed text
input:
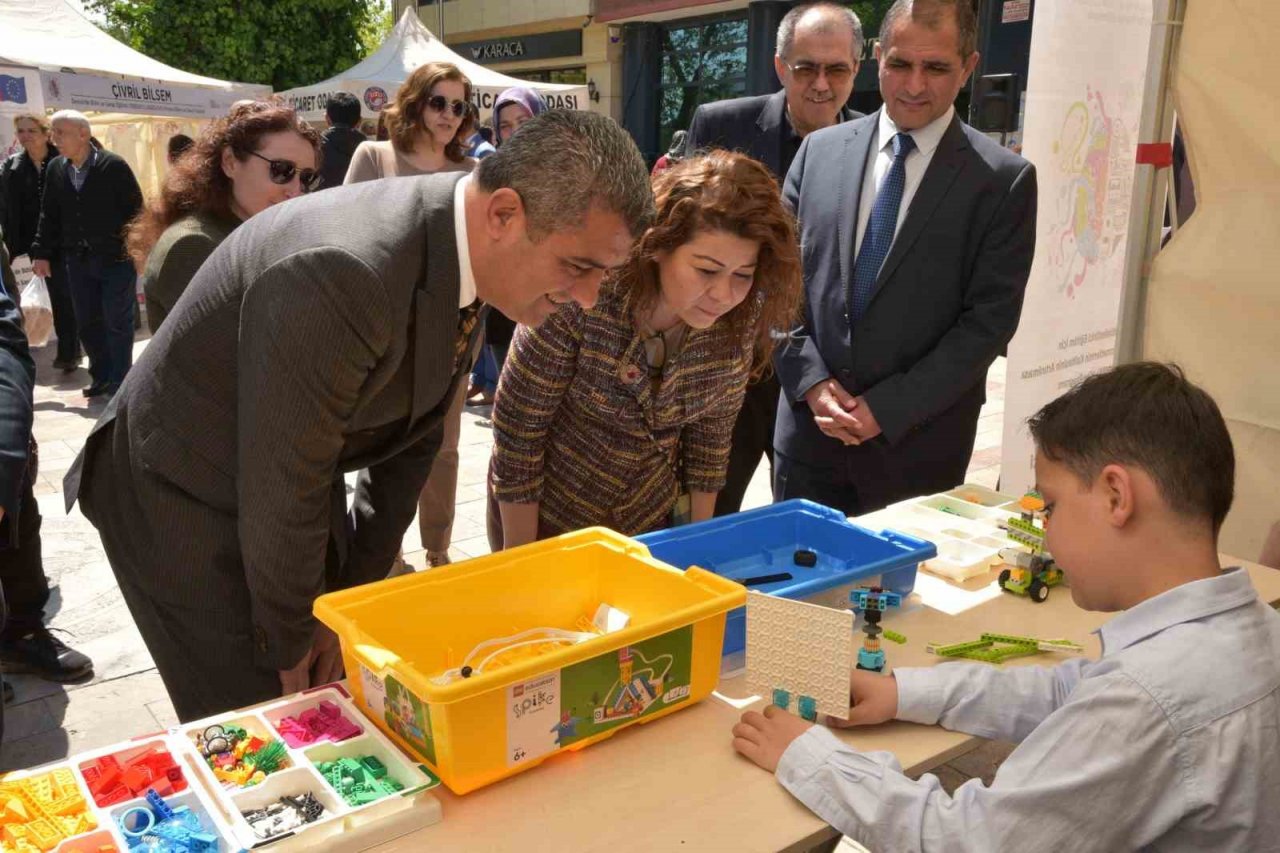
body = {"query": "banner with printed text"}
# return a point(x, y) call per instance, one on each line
point(1086, 81)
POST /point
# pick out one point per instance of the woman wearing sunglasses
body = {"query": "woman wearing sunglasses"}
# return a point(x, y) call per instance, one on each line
point(427, 125)
point(259, 155)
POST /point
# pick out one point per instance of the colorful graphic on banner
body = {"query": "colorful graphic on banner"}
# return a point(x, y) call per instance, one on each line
point(19, 93)
point(1087, 78)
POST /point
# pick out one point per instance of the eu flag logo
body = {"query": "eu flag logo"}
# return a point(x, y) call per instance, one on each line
point(13, 89)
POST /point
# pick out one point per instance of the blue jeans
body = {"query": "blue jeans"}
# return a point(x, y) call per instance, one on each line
point(103, 291)
point(485, 374)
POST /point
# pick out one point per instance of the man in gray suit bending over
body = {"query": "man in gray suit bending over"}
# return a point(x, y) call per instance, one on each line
point(324, 337)
point(917, 236)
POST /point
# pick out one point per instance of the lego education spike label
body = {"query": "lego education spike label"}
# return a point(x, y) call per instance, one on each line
point(533, 718)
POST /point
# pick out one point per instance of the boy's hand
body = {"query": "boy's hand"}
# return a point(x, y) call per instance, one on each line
point(764, 737)
point(873, 699)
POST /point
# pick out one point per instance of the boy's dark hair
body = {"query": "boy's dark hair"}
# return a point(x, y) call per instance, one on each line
point(343, 109)
point(1146, 415)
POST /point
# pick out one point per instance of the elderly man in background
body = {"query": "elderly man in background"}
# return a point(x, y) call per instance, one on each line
point(819, 45)
point(90, 195)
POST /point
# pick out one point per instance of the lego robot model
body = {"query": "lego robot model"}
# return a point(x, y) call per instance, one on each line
point(873, 601)
point(1032, 570)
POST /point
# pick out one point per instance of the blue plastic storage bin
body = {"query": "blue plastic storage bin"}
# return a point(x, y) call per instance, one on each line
point(762, 542)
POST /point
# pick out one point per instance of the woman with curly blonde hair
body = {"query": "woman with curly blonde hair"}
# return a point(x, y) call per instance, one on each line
point(427, 127)
point(622, 415)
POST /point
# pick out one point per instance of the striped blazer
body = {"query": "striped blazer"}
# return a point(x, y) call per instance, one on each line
point(580, 428)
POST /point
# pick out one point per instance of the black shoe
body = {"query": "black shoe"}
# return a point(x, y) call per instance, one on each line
point(66, 365)
point(97, 389)
point(8, 691)
point(38, 652)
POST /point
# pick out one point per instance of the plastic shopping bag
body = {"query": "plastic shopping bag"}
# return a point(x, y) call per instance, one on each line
point(37, 312)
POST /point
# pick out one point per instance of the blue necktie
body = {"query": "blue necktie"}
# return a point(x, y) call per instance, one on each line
point(878, 237)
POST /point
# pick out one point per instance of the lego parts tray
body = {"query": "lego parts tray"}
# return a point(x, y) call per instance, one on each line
point(298, 772)
point(964, 523)
point(794, 549)
point(97, 803)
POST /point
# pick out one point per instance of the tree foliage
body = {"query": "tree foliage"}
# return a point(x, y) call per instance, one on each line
point(282, 43)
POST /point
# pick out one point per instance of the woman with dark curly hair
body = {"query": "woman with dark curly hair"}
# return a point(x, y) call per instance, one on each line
point(427, 127)
point(622, 415)
point(259, 155)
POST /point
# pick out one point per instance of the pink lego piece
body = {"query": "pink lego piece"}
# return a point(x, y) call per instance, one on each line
point(343, 729)
point(330, 710)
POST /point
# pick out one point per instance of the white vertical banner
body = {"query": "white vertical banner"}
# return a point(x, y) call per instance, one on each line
point(20, 92)
point(1086, 80)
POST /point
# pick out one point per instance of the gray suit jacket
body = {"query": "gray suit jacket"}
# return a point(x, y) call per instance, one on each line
point(318, 339)
point(945, 304)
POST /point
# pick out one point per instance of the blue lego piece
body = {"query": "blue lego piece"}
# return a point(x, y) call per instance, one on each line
point(781, 698)
point(874, 599)
point(808, 707)
point(873, 661)
point(158, 806)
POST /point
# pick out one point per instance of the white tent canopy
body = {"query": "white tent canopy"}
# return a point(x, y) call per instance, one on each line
point(83, 68)
point(410, 45)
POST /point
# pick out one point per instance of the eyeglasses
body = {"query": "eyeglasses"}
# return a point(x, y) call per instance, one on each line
point(838, 73)
point(439, 103)
point(282, 172)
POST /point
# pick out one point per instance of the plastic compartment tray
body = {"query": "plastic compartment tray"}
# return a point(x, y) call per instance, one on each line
point(107, 831)
point(395, 814)
point(764, 541)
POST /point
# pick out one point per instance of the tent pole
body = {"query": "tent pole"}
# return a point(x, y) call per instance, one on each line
point(1150, 193)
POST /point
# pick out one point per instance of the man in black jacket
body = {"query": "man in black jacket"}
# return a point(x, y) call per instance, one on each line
point(90, 195)
point(817, 58)
point(21, 186)
point(338, 143)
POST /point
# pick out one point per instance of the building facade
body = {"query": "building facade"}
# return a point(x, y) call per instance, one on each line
point(646, 63)
point(650, 63)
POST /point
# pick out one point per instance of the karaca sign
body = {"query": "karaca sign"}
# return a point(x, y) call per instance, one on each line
point(101, 94)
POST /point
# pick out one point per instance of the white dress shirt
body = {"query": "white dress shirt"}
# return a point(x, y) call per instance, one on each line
point(1169, 742)
point(926, 139)
point(466, 278)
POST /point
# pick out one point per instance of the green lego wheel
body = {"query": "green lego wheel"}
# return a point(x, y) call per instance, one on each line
point(1004, 578)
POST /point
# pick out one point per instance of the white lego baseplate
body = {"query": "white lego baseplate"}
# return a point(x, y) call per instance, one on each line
point(803, 648)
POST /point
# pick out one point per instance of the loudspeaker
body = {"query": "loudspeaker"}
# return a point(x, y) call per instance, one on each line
point(995, 99)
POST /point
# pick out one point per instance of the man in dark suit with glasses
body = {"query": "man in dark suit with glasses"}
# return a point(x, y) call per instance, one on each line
point(819, 45)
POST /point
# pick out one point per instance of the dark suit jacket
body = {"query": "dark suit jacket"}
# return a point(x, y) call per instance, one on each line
point(17, 382)
point(945, 304)
point(311, 343)
point(754, 126)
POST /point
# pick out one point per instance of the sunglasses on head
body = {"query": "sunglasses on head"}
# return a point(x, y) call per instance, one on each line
point(439, 103)
point(282, 172)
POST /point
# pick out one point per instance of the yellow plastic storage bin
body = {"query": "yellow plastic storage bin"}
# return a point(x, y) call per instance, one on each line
point(401, 636)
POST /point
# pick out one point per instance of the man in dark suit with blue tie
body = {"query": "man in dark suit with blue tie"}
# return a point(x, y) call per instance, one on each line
point(917, 236)
point(819, 45)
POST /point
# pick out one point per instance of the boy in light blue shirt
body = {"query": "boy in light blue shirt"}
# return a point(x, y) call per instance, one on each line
point(1169, 742)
